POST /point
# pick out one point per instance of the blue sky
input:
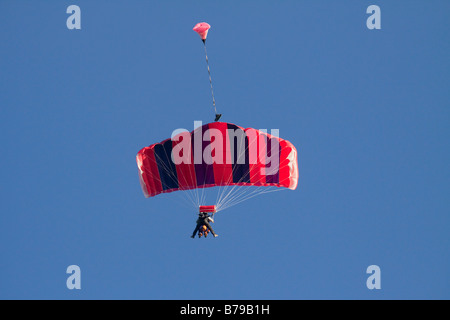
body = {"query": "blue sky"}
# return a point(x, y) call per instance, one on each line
point(368, 111)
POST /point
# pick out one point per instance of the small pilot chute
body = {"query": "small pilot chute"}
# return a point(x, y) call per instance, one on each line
point(202, 30)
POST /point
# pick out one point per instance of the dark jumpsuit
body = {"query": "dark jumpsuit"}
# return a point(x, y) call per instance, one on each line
point(203, 220)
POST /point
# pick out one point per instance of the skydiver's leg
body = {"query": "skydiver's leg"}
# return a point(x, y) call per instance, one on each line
point(197, 227)
point(206, 223)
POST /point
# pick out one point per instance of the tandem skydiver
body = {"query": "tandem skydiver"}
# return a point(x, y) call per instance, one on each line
point(203, 220)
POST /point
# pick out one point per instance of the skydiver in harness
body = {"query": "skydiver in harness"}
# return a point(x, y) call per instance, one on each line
point(203, 220)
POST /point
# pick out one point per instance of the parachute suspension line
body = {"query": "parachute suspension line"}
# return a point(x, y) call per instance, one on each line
point(210, 80)
point(239, 194)
point(248, 196)
point(186, 196)
point(227, 198)
point(185, 199)
point(223, 197)
point(233, 198)
point(224, 189)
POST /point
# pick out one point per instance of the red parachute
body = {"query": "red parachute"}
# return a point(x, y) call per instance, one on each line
point(218, 154)
point(240, 163)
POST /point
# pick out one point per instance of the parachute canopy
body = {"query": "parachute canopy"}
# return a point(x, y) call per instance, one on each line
point(217, 154)
point(202, 29)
